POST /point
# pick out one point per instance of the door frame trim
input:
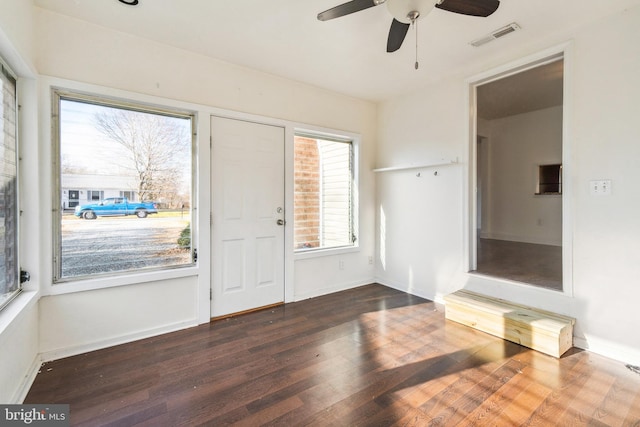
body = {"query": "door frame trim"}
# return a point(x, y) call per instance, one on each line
point(564, 51)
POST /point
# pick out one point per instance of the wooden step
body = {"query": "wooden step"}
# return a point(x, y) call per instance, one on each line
point(540, 330)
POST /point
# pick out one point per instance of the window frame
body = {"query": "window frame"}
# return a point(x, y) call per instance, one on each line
point(9, 73)
point(115, 278)
point(354, 142)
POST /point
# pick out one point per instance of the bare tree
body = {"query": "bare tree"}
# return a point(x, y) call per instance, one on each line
point(68, 167)
point(155, 145)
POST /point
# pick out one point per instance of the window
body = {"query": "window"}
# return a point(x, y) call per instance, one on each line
point(125, 173)
point(130, 195)
point(323, 193)
point(9, 267)
point(95, 195)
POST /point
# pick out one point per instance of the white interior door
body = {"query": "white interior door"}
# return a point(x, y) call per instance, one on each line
point(248, 215)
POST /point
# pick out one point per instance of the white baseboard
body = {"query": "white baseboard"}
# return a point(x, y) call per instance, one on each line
point(623, 354)
point(404, 288)
point(51, 355)
point(332, 289)
point(27, 381)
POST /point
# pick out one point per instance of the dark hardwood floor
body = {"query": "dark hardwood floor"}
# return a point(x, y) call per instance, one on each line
point(370, 356)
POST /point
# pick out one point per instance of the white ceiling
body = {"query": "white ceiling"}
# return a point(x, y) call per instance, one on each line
point(530, 90)
point(346, 55)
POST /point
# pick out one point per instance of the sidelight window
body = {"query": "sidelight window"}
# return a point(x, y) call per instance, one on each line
point(323, 193)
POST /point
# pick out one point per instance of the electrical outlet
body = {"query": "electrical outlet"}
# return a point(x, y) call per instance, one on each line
point(341, 265)
point(370, 260)
point(600, 187)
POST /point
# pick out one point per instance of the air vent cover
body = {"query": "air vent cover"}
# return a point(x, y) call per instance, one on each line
point(500, 32)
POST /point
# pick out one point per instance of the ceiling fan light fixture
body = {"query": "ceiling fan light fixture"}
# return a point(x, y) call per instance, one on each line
point(402, 10)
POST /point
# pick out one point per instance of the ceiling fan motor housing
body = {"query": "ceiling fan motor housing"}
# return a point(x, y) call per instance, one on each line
point(402, 10)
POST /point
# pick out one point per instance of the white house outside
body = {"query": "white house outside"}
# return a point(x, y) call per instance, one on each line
point(78, 189)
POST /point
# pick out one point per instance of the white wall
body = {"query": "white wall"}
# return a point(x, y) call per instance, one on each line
point(83, 321)
point(90, 57)
point(19, 359)
point(606, 132)
point(517, 145)
point(603, 132)
point(419, 218)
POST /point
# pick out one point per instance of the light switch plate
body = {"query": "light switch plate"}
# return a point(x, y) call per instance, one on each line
point(600, 187)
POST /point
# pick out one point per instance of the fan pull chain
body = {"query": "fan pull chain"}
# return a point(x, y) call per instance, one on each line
point(413, 17)
point(415, 24)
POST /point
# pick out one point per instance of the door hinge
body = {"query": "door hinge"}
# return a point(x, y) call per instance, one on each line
point(210, 294)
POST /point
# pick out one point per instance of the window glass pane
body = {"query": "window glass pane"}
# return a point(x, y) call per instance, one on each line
point(125, 189)
point(323, 205)
point(9, 280)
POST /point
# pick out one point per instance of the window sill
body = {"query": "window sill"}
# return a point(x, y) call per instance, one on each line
point(115, 281)
point(316, 253)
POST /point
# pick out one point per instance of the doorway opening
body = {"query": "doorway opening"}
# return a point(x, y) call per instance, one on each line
point(518, 156)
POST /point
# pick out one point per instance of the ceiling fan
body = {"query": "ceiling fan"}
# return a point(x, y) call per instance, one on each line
point(406, 12)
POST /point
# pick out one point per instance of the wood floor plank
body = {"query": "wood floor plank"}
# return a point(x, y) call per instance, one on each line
point(633, 414)
point(474, 397)
point(590, 397)
point(519, 411)
point(271, 412)
point(561, 399)
point(366, 356)
point(493, 404)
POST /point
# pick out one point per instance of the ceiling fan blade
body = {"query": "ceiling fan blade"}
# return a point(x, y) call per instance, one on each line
point(482, 8)
point(397, 34)
point(346, 9)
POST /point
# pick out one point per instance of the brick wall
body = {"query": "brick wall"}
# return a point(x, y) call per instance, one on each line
point(306, 193)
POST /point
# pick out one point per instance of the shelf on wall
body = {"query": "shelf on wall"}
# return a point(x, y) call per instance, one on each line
point(418, 166)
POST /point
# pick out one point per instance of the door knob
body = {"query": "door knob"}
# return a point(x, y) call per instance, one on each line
point(280, 222)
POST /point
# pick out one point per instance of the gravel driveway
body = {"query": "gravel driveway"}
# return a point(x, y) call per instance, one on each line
point(120, 243)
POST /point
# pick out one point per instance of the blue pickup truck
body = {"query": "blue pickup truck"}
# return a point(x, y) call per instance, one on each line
point(115, 206)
